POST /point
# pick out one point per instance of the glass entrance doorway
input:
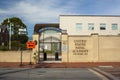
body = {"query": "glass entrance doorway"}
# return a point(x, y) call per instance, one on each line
point(50, 45)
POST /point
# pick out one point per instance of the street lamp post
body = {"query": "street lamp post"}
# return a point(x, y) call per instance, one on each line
point(21, 64)
point(9, 34)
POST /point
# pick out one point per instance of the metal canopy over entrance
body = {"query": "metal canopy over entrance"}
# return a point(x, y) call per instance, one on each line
point(50, 43)
point(50, 28)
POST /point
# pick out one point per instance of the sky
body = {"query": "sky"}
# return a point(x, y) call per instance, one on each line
point(32, 12)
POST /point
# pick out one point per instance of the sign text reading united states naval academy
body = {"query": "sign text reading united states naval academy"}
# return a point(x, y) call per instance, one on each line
point(80, 47)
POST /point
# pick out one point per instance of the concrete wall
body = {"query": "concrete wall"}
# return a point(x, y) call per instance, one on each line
point(65, 55)
point(109, 48)
point(36, 37)
point(15, 56)
point(92, 48)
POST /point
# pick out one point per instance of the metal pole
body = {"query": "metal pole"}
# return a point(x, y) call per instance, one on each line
point(21, 57)
point(9, 34)
point(10, 38)
point(30, 57)
point(43, 42)
point(43, 45)
point(51, 47)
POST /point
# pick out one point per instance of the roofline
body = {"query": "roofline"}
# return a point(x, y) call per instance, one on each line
point(37, 27)
point(45, 23)
point(93, 15)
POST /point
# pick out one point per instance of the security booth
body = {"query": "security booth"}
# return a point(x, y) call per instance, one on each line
point(49, 41)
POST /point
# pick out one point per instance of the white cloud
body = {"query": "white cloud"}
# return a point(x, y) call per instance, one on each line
point(39, 10)
point(3, 11)
point(36, 11)
point(47, 11)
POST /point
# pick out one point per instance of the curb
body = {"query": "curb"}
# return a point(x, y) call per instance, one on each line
point(108, 75)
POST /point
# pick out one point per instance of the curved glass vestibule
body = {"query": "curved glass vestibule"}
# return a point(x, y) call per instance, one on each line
point(50, 44)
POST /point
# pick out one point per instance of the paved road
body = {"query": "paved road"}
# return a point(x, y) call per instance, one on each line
point(114, 72)
point(48, 74)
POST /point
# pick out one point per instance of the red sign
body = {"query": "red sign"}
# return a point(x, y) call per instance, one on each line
point(30, 44)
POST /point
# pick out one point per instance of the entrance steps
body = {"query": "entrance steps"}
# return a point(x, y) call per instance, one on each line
point(51, 61)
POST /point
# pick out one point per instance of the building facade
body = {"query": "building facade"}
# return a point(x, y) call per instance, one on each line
point(4, 35)
point(87, 38)
point(90, 38)
point(89, 24)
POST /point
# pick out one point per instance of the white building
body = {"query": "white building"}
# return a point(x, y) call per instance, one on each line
point(89, 24)
point(22, 31)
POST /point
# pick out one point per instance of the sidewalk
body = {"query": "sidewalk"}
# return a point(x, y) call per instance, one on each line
point(56, 65)
point(15, 65)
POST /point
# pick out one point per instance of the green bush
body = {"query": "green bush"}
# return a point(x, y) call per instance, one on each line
point(23, 46)
point(15, 45)
point(4, 48)
point(47, 51)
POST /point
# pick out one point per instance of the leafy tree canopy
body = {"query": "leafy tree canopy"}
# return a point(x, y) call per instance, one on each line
point(17, 40)
point(16, 24)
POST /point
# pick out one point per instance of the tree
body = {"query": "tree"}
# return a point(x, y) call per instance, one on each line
point(23, 38)
point(17, 24)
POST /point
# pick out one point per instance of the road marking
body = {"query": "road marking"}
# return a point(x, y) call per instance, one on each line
point(98, 74)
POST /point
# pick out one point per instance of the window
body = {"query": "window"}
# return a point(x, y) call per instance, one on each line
point(78, 26)
point(114, 26)
point(90, 26)
point(102, 26)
